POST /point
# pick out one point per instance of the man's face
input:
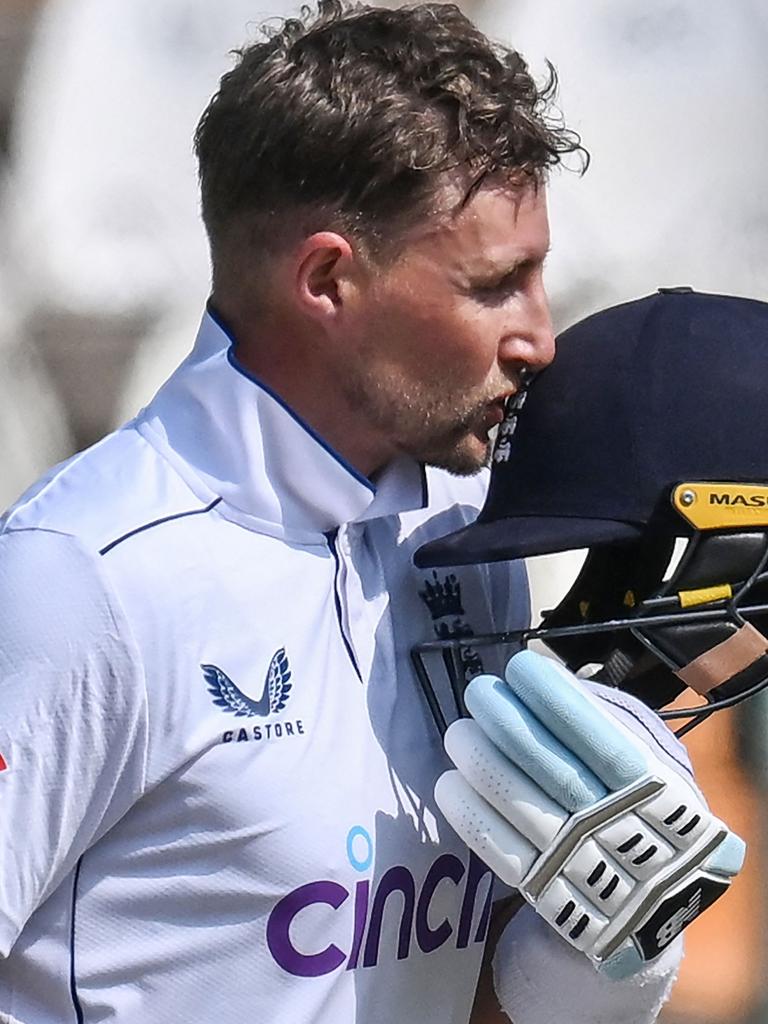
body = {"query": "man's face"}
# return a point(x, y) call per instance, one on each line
point(442, 332)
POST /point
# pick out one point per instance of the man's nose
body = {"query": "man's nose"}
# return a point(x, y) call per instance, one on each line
point(542, 343)
point(530, 339)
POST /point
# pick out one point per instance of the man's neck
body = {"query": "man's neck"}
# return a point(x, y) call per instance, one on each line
point(297, 368)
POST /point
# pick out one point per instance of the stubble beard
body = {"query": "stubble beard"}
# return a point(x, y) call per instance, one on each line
point(439, 429)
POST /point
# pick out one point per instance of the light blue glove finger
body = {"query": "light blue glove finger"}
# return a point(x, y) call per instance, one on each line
point(530, 745)
point(562, 708)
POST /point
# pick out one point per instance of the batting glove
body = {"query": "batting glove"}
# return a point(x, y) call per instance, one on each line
point(613, 846)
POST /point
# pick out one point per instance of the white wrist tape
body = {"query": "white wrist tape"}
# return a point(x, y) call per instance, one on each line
point(540, 979)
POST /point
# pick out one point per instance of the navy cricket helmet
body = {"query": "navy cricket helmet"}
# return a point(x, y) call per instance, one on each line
point(650, 427)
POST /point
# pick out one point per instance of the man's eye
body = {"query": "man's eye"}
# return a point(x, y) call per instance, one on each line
point(514, 280)
point(498, 289)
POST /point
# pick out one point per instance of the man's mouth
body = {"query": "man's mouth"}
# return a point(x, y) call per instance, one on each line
point(495, 413)
point(492, 416)
point(497, 409)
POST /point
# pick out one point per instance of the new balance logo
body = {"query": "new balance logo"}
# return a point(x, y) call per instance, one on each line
point(679, 920)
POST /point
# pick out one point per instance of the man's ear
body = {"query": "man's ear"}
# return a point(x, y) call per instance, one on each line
point(324, 270)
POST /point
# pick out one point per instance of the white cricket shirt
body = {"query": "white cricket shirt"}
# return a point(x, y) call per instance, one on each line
point(217, 766)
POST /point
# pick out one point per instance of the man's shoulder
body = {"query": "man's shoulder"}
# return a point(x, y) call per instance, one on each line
point(117, 486)
point(53, 539)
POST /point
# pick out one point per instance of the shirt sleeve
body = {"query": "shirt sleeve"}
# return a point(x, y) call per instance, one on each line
point(73, 716)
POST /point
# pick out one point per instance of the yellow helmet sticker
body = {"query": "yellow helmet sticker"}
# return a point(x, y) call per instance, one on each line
point(719, 506)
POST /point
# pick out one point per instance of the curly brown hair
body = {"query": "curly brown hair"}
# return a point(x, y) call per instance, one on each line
point(355, 112)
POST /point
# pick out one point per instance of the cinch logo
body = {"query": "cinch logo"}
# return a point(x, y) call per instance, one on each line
point(412, 902)
point(744, 500)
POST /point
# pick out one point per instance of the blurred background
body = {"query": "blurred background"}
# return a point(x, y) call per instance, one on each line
point(103, 264)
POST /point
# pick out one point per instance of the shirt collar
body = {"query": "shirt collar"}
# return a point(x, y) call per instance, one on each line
point(220, 423)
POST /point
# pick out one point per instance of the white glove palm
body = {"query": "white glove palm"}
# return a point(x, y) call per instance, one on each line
point(611, 845)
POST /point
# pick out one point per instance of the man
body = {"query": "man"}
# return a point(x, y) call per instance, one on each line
point(217, 770)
